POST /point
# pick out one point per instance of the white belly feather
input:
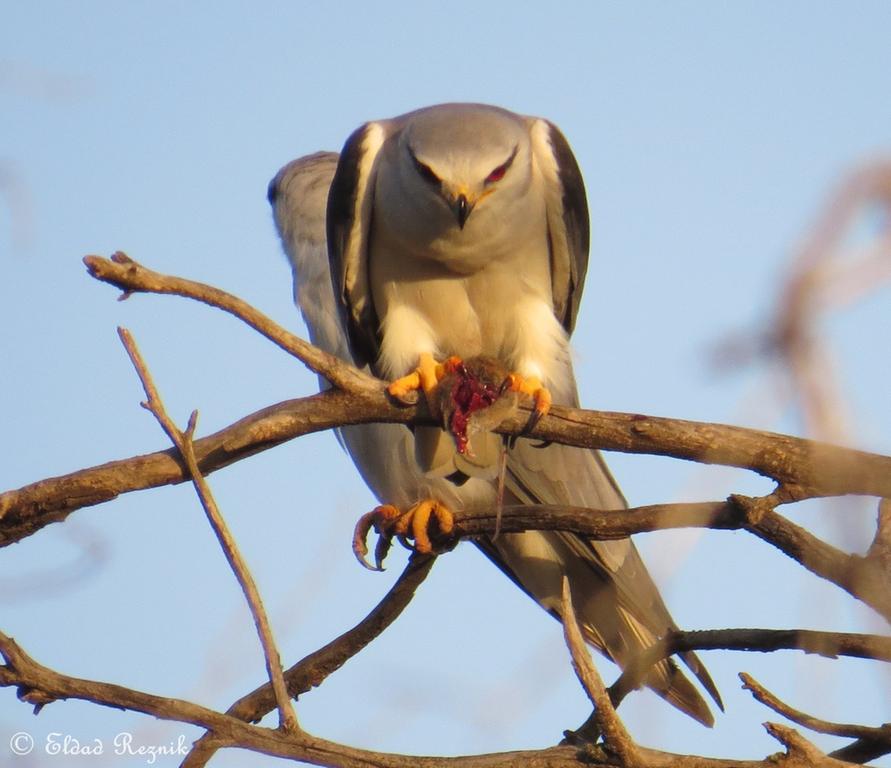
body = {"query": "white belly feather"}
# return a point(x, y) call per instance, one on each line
point(503, 310)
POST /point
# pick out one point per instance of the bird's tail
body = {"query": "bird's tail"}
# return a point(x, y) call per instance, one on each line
point(669, 681)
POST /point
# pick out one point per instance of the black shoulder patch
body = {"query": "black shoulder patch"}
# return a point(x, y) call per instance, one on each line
point(272, 190)
point(575, 217)
point(343, 208)
point(342, 197)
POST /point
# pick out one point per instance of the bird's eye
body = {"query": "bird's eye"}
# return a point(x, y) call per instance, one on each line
point(497, 174)
point(426, 172)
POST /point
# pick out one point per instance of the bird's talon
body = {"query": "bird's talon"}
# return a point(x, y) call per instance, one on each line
point(379, 518)
point(405, 387)
point(425, 378)
point(419, 522)
point(534, 418)
point(447, 366)
point(444, 519)
point(541, 396)
point(360, 550)
point(381, 550)
point(542, 399)
point(390, 523)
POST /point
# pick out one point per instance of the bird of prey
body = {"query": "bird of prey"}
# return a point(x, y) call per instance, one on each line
point(462, 230)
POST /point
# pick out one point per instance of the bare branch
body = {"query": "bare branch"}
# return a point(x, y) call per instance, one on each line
point(598, 524)
point(183, 443)
point(823, 468)
point(761, 694)
point(799, 751)
point(32, 507)
point(791, 460)
point(805, 468)
point(615, 738)
point(311, 671)
point(40, 685)
point(880, 549)
point(131, 277)
point(863, 750)
point(861, 577)
point(26, 510)
point(818, 279)
point(829, 644)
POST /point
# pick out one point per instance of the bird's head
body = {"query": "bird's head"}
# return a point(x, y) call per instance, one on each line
point(463, 155)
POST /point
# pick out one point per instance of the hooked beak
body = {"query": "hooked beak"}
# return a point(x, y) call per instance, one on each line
point(461, 207)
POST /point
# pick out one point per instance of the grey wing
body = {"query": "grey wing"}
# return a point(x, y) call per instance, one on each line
point(619, 606)
point(299, 197)
point(567, 212)
point(383, 453)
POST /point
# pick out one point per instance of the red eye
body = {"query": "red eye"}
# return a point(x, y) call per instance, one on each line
point(497, 174)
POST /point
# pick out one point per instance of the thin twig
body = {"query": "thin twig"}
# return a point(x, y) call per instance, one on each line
point(853, 731)
point(311, 671)
point(27, 510)
point(183, 442)
point(131, 277)
point(863, 750)
point(615, 737)
point(880, 549)
point(863, 578)
point(821, 265)
point(799, 751)
point(828, 644)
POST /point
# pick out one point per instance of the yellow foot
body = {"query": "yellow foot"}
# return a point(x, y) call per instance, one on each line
point(541, 397)
point(388, 522)
point(425, 377)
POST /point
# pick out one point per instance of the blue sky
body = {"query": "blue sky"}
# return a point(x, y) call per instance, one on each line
point(709, 135)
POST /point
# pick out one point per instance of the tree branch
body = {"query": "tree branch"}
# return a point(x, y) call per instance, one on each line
point(799, 751)
point(829, 644)
point(762, 695)
point(311, 671)
point(131, 277)
point(862, 577)
point(184, 444)
point(616, 739)
point(863, 750)
point(40, 685)
point(28, 509)
point(32, 507)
